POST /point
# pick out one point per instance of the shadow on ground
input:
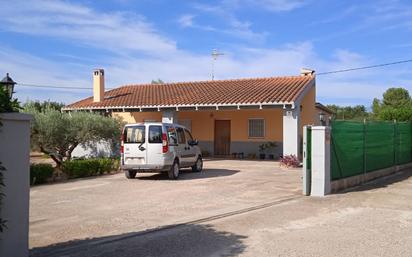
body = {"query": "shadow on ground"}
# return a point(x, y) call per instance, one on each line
point(181, 240)
point(380, 182)
point(188, 174)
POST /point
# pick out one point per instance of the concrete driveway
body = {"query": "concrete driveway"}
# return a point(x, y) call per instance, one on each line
point(113, 205)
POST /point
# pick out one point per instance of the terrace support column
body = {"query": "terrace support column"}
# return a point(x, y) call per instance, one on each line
point(169, 116)
point(291, 131)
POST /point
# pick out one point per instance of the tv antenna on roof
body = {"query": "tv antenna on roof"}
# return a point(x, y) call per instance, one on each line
point(215, 54)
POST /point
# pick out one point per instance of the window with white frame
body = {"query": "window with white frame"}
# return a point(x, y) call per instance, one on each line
point(256, 128)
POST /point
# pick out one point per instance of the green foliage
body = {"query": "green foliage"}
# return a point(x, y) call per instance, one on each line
point(2, 195)
point(58, 133)
point(39, 173)
point(157, 81)
point(396, 98)
point(267, 146)
point(7, 104)
point(43, 106)
point(395, 105)
point(89, 167)
point(357, 112)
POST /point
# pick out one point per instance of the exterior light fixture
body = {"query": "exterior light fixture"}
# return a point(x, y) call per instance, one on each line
point(8, 84)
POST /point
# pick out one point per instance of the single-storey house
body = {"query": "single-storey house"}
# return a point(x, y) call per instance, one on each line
point(226, 116)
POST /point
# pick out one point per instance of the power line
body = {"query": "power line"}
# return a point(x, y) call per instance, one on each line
point(50, 86)
point(363, 68)
point(318, 74)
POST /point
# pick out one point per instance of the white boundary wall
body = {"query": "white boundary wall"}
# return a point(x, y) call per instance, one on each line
point(321, 180)
point(15, 156)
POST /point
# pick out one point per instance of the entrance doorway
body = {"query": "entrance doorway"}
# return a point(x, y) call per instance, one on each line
point(222, 137)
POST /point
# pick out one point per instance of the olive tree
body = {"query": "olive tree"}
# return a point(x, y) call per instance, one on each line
point(58, 133)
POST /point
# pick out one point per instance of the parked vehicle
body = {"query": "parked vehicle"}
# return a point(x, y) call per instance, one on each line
point(158, 147)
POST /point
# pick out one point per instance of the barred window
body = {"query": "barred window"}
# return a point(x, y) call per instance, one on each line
point(256, 128)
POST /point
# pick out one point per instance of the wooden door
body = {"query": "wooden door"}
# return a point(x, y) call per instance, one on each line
point(222, 137)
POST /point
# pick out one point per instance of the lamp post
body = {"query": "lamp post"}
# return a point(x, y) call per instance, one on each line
point(322, 118)
point(8, 84)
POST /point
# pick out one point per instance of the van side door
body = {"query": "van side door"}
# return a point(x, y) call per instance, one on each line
point(182, 147)
point(191, 152)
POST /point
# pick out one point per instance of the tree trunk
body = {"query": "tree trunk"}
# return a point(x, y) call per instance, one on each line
point(55, 158)
point(70, 150)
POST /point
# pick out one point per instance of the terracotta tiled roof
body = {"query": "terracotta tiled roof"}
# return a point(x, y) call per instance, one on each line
point(273, 90)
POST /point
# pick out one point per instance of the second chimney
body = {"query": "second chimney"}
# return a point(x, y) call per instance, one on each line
point(98, 85)
point(307, 72)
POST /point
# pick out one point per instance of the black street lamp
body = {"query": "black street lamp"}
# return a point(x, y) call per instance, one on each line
point(8, 84)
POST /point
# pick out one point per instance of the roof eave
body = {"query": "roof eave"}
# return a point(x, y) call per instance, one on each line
point(194, 106)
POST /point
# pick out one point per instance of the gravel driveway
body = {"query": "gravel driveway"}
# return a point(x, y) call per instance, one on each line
point(113, 205)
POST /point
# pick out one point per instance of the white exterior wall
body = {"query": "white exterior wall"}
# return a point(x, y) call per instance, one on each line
point(321, 181)
point(169, 116)
point(14, 154)
point(291, 132)
point(98, 149)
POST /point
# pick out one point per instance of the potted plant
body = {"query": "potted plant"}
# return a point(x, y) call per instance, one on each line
point(265, 148)
point(262, 154)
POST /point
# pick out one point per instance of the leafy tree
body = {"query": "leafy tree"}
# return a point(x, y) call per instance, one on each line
point(157, 81)
point(6, 104)
point(396, 98)
point(58, 133)
point(357, 112)
point(41, 106)
point(395, 105)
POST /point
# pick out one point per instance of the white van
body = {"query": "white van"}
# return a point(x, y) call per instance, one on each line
point(158, 147)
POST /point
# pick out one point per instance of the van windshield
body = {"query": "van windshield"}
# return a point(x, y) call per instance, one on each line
point(134, 134)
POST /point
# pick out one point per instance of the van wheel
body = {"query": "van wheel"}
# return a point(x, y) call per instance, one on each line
point(130, 174)
point(173, 173)
point(198, 165)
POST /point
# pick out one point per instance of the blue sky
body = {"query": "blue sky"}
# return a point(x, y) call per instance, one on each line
point(60, 42)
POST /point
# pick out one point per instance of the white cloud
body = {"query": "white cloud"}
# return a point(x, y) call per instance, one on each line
point(118, 32)
point(279, 5)
point(81, 25)
point(186, 20)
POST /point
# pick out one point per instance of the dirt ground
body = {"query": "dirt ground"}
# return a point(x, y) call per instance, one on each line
point(256, 211)
point(112, 204)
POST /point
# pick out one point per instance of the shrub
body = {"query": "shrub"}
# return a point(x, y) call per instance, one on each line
point(89, 167)
point(290, 161)
point(39, 173)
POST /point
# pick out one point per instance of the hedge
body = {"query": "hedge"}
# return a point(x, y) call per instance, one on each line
point(89, 167)
point(39, 173)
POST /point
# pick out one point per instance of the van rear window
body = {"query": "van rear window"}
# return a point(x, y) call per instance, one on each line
point(134, 134)
point(155, 134)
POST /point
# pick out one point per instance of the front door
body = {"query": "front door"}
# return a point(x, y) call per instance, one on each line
point(222, 137)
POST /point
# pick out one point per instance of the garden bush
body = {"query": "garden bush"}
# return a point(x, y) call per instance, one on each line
point(290, 161)
point(39, 173)
point(89, 167)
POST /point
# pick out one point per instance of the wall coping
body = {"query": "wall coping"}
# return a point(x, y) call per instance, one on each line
point(17, 116)
point(349, 182)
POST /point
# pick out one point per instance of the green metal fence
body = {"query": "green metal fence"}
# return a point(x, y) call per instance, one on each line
point(361, 147)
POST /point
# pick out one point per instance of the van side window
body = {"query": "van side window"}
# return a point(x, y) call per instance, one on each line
point(134, 134)
point(188, 135)
point(155, 134)
point(171, 135)
point(180, 136)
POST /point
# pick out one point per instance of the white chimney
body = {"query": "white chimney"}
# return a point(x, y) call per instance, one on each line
point(98, 85)
point(307, 72)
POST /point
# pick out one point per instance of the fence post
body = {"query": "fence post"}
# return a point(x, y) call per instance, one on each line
point(364, 146)
point(394, 144)
point(321, 177)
